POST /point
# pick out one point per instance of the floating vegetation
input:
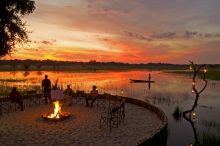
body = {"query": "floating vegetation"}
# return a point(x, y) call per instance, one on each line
point(209, 139)
point(208, 107)
point(177, 114)
point(12, 80)
point(211, 124)
point(162, 100)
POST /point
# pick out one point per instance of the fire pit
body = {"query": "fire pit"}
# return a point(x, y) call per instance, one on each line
point(57, 115)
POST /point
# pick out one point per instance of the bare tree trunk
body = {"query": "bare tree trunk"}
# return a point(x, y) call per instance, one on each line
point(187, 115)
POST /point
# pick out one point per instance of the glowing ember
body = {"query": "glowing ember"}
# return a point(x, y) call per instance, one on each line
point(57, 114)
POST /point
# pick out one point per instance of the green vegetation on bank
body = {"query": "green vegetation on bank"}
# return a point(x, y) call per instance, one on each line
point(47, 65)
point(12, 80)
point(211, 74)
point(10, 65)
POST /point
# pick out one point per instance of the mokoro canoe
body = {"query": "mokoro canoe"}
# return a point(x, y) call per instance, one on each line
point(141, 81)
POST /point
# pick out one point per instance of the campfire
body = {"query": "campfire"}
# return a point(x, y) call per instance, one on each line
point(57, 115)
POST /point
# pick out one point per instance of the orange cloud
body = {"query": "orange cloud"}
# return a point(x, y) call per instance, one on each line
point(112, 31)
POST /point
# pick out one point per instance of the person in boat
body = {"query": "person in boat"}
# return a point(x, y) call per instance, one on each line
point(149, 77)
point(15, 96)
point(92, 96)
point(68, 94)
point(46, 89)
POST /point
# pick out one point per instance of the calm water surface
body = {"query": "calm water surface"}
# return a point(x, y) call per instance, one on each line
point(169, 91)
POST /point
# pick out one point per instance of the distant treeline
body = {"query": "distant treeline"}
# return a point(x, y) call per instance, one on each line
point(91, 65)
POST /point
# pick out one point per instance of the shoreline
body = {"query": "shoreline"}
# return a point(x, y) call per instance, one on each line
point(213, 75)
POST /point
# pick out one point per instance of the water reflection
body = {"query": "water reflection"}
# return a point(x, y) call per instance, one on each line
point(191, 117)
point(13, 73)
point(39, 73)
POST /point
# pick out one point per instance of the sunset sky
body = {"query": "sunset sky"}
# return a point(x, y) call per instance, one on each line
point(134, 31)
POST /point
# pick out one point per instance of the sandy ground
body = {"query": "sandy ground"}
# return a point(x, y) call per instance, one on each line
point(27, 128)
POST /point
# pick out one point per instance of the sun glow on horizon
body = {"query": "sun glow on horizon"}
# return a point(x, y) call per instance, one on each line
point(98, 30)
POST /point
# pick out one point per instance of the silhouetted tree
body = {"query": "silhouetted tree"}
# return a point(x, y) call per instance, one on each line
point(197, 93)
point(12, 28)
point(188, 114)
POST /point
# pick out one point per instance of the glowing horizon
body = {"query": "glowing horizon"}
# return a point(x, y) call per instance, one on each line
point(140, 31)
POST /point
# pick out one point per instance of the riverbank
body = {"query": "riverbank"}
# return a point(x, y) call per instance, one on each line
point(211, 74)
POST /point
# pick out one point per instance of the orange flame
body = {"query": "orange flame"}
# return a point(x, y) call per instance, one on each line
point(57, 110)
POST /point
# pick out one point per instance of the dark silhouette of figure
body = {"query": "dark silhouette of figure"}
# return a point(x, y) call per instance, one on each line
point(46, 89)
point(15, 96)
point(92, 96)
point(149, 83)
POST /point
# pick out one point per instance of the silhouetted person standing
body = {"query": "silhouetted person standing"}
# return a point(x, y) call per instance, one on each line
point(149, 77)
point(149, 83)
point(15, 96)
point(46, 89)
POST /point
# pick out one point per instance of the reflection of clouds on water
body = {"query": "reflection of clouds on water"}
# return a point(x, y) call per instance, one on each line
point(168, 86)
point(13, 73)
point(39, 73)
